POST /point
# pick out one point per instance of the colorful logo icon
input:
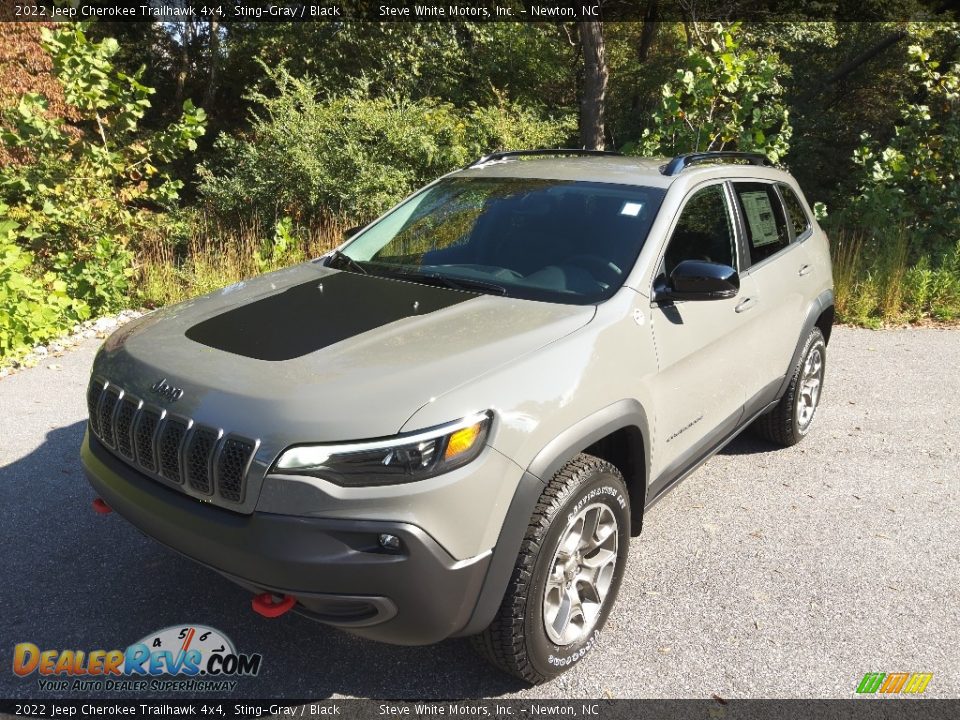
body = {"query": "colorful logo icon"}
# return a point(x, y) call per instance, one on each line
point(189, 650)
point(894, 683)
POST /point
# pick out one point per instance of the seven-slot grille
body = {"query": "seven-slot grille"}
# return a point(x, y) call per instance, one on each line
point(202, 458)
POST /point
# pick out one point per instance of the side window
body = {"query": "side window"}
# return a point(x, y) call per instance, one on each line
point(763, 218)
point(795, 212)
point(703, 232)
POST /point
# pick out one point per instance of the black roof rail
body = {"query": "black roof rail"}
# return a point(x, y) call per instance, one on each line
point(502, 154)
point(680, 162)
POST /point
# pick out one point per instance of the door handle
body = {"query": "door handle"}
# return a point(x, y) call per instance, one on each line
point(744, 305)
point(805, 270)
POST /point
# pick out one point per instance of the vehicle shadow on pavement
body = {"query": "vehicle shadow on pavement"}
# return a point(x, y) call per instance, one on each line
point(83, 581)
point(746, 443)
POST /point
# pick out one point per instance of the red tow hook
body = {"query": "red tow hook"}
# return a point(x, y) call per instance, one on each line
point(272, 606)
point(100, 507)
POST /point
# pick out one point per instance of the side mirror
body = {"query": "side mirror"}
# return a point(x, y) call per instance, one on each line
point(350, 232)
point(699, 280)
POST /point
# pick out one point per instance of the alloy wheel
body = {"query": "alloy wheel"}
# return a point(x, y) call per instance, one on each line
point(580, 574)
point(811, 381)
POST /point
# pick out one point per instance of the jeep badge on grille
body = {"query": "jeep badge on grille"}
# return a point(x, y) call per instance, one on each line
point(166, 390)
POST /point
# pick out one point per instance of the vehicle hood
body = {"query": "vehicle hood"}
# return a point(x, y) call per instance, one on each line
point(312, 354)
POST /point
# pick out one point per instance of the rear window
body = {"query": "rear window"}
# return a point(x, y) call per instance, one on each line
point(763, 219)
point(797, 215)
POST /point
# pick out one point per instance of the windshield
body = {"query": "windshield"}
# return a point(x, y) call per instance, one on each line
point(554, 240)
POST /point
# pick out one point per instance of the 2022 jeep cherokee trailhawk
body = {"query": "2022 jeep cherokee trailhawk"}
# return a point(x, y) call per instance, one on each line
point(452, 424)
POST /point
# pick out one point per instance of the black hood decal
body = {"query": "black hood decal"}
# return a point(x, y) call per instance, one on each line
point(319, 313)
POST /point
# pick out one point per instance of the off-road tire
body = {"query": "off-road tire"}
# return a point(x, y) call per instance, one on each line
point(781, 425)
point(517, 641)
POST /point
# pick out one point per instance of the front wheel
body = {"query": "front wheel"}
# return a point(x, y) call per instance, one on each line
point(791, 419)
point(567, 574)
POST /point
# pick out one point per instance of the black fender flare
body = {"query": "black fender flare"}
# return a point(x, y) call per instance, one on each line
point(568, 444)
point(821, 303)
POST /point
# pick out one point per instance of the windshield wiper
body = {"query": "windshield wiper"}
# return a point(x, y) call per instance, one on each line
point(462, 283)
point(457, 283)
point(350, 262)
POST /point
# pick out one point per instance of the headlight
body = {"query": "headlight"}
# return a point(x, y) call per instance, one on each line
point(400, 459)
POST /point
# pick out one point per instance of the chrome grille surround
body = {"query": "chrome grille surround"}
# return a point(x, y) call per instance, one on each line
point(198, 458)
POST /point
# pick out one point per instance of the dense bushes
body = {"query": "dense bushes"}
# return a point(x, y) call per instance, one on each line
point(82, 194)
point(899, 258)
point(354, 155)
point(912, 182)
point(32, 308)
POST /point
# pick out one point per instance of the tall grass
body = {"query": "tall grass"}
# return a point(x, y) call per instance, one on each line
point(875, 283)
point(217, 253)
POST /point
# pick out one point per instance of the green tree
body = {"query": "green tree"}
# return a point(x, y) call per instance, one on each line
point(844, 81)
point(911, 182)
point(727, 96)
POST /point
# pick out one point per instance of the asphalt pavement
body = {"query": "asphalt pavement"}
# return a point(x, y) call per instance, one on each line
point(768, 573)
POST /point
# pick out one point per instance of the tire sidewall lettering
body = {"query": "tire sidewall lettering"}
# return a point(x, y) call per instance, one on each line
point(594, 494)
point(577, 655)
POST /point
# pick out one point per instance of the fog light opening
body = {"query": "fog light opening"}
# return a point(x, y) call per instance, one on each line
point(389, 542)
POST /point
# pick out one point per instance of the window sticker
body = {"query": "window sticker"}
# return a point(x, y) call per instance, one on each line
point(759, 212)
point(631, 208)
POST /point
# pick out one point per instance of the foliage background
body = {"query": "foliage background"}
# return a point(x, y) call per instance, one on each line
point(142, 163)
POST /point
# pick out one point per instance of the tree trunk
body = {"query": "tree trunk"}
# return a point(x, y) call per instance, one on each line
point(210, 95)
point(851, 65)
point(651, 24)
point(184, 61)
point(594, 86)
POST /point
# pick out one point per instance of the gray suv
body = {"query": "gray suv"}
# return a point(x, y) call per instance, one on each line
point(453, 424)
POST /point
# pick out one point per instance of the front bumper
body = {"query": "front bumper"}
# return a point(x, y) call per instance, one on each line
point(334, 567)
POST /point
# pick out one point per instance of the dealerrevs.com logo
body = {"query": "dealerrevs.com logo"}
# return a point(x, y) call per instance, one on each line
point(185, 658)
